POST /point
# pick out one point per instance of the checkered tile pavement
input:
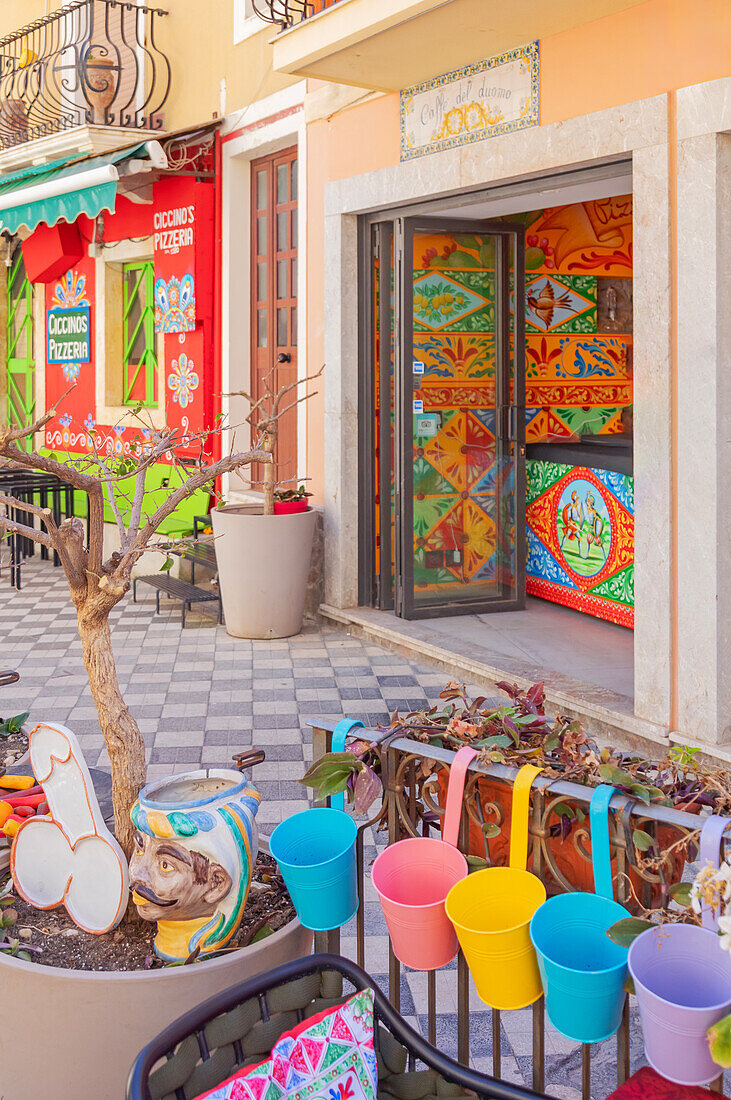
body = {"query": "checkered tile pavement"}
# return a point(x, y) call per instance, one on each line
point(199, 696)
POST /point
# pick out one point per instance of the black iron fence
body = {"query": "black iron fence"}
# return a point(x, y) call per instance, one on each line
point(92, 62)
point(285, 13)
point(414, 778)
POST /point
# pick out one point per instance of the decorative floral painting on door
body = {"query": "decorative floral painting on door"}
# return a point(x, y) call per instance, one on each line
point(578, 290)
point(581, 532)
point(580, 523)
point(456, 488)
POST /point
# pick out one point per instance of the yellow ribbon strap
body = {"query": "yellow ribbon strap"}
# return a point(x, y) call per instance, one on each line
point(519, 822)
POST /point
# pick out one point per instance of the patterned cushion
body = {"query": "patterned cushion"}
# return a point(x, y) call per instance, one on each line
point(328, 1057)
point(648, 1085)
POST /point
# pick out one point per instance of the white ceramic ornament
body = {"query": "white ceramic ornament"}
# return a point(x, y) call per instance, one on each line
point(69, 857)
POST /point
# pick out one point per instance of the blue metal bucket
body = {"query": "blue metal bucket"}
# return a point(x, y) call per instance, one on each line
point(582, 971)
point(315, 851)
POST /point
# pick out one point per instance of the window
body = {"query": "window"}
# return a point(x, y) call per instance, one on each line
point(20, 362)
point(139, 356)
point(246, 21)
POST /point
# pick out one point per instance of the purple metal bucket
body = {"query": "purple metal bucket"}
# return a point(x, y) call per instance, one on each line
point(683, 985)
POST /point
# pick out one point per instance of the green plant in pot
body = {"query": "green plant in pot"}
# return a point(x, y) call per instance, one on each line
point(264, 546)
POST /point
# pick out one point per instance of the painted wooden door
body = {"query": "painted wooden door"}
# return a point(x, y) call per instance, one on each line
point(274, 294)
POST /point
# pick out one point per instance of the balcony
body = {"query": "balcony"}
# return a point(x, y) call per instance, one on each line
point(391, 44)
point(93, 68)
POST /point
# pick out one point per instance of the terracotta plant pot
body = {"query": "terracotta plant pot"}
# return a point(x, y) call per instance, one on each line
point(76, 1033)
point(263, 569)
point(290, 507)
point(570, 863)
point(13, 121)
point(101, 85)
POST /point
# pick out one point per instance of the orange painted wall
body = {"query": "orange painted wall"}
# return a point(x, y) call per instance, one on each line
point(360, 139)
point(638, 53)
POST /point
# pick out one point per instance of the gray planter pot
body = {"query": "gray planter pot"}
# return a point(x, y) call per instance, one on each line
point(263, 568)
point(76, 1033)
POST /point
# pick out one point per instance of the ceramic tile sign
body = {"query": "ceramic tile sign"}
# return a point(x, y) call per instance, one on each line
point(484, 99)
point(68, 334)
point(69, 857)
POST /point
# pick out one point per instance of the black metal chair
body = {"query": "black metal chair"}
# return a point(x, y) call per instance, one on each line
point(239, 1027)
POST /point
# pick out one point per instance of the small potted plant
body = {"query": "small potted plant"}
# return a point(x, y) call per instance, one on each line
point(290, 502)
point(263, 551)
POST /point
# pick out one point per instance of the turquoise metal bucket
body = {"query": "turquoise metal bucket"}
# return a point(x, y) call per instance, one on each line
point(582, 971)
point(315, 851)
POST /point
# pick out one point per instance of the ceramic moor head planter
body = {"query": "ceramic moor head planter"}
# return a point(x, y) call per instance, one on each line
point(195, 847)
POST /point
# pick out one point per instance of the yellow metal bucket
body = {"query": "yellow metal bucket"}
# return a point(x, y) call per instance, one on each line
point(491, 912)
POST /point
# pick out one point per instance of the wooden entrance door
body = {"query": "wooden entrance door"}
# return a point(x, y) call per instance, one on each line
point(274, 293)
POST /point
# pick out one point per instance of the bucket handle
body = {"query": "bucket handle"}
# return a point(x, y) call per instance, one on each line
point(710, 849)
point(455, 794)
point(601, 855)
point(341, 731)
point(519, 815)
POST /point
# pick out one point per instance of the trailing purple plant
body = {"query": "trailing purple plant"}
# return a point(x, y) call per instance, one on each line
point(519, 730)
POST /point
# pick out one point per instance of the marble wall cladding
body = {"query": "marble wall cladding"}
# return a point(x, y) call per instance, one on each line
point(652, 433)
point(599, 136)
point(704, 108)
point(704, 458)
point(341, 411)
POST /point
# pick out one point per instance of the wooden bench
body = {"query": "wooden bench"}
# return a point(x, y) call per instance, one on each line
point(177, 590)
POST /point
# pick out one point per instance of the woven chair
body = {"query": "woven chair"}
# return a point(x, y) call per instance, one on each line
point(239, 1027)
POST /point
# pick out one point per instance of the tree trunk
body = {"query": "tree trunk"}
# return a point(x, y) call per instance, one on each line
point(125, 745)
point(269, 444)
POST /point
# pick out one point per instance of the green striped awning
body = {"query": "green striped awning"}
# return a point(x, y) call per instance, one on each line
point(39, 193)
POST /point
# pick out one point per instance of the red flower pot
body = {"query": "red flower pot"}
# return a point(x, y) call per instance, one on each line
point(289, 507)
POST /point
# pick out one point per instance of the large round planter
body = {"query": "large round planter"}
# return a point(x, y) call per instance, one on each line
point(263, 568)
point(76, 1033)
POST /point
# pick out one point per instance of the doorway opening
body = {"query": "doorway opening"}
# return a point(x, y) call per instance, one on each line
point(496, 428)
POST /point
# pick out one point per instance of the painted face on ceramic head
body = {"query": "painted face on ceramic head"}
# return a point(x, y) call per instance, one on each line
point(170, 880)
point(195, 847)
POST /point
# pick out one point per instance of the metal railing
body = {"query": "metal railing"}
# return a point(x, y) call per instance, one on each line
point(286, 13)
point(93, 61)
point(413, 800)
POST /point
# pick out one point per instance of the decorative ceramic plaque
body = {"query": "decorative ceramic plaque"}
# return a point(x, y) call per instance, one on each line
point(482, 100)
point(68, 857)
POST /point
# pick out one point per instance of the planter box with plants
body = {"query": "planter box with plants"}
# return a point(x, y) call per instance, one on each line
point(543, 898)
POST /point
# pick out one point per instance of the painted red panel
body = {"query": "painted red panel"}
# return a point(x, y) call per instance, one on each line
point(51, 250)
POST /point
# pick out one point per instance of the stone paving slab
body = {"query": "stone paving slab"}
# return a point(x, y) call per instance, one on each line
point(200, 696)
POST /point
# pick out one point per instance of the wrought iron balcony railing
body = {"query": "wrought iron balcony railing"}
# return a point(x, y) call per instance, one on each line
point(285, 13)
point(92, 62)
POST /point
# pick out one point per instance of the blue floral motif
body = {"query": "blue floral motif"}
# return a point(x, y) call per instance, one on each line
point(71, 371)
point(183, 380)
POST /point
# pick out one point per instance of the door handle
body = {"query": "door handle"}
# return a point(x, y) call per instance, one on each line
point(284, 357)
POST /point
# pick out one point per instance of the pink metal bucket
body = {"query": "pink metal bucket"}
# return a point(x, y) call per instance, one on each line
point(413, 877)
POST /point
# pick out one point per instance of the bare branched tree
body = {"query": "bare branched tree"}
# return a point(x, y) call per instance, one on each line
point(263, 418)
point(97, 585)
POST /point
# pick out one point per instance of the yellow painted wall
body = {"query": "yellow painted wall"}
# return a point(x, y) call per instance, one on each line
point(198, 39)
point(642, 52)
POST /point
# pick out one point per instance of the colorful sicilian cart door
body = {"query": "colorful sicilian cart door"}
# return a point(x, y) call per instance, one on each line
point(460, 418)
